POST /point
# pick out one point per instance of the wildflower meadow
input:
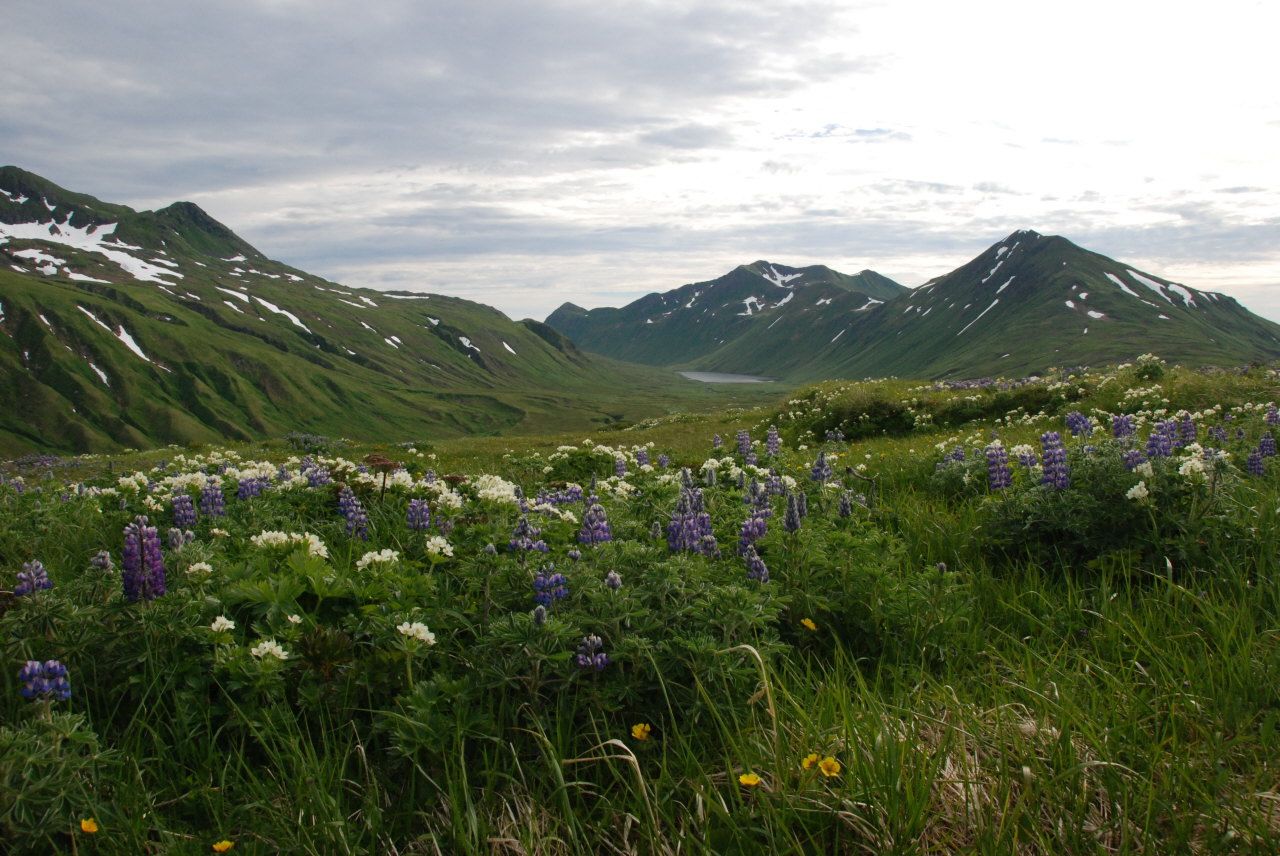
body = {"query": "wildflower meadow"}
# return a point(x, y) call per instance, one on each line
point(1033, 616)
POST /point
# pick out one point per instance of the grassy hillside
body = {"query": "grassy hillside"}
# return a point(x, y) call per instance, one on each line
point(123, 328)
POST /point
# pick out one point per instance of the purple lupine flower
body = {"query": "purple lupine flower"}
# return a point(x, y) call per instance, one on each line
point(526, 538)
point(317, 476)
point(142, 562)
point(250, 487)
point(1273, 415)
point(101, 561)
point(756, 568)
point(1267, 445)
point(754, 528)
point(574, 554)
point(349, 506)
point(1132, 458)
point(613, 580)
point(591, 655)
point(419, 515)
point(620, 466)
point(957, 454)
point(834, 435)
point(642, 457)
point(802, 502)
point(184, 511)
point(1160, 440)
point(1218, 434)
point(716, 441)
point(1240, 434)
point(821, 471)
point(1186, 429)
point(655, 531)
point(539, 615)
point(212, 502)
point(1122, 426)
point(664, 461)
point(45, 681)
point(179, 538)
point(690, 526)
point(1027, 457)
point(1054, 454)
point(709, 476)
point(751, 458)
point(1254, 464)
point(32, 578)
point(791, 520)
point(1079, 424)
point(742, 479)
point(548, 586)
point(595, 525)
point(845, 509)
point(774, 484)
point(773, 441)
point(744, 443)
point(999, 475)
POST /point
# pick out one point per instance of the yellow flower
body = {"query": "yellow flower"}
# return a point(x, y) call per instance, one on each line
point(808, 624)
point(641, 730)
point(89, 825)
point(751, 780)
point(809, 760)
point(223, 846)
point(829, 766)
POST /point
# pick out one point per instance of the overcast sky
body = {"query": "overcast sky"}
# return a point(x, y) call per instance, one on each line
point(527, 153)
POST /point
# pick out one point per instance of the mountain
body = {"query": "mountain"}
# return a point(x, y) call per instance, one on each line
point(135, 328)
point(1033, 301)
point(694, 323)
point(1027, 303)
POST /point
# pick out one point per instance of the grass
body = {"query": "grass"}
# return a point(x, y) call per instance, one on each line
point(1025, 698)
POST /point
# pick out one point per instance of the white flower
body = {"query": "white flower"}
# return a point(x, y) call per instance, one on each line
point(1145, 470)
point(1192, 468)
point(222, 623)
point(417, 630)
point(381, 557)
point(269, 648)
point(219, 533)
point(437, 546)
point(495, 489)
point(199, 569)
point(294, 619)
point(1138, 493)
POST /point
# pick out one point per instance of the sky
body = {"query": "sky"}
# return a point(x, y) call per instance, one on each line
point(524, 154)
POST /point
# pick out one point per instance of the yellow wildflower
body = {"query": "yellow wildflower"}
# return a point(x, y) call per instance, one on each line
point(829, 766)
point(223, 846)
point(88, 825)
point(809, 761)
point(808, 624)
point(641, 730)
point(751, 780)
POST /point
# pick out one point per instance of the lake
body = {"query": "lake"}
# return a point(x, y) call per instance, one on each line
point(719, 377)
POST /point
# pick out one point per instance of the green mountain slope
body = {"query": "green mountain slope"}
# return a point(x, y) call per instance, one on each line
point(689, 325)
point(1033, 301)
point(122, 328)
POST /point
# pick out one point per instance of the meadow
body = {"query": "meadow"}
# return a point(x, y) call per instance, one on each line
point(996, 616)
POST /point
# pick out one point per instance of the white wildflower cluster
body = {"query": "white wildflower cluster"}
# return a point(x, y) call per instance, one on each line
point(252, 470)
point(437, 546)
point(222, 624)
point(445, 496)
point(548, 510)
point(199, 569)
point(269, 539)
point(495, 489)
point(133, 483)
point(1138, 493)
point(417, 630)
point(399, 480)
point(380, 557)
point(269, 648)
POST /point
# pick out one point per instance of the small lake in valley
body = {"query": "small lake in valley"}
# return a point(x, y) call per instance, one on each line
point(720, 377)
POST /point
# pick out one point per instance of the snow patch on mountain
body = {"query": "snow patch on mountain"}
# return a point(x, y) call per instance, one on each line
point(91, 239)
